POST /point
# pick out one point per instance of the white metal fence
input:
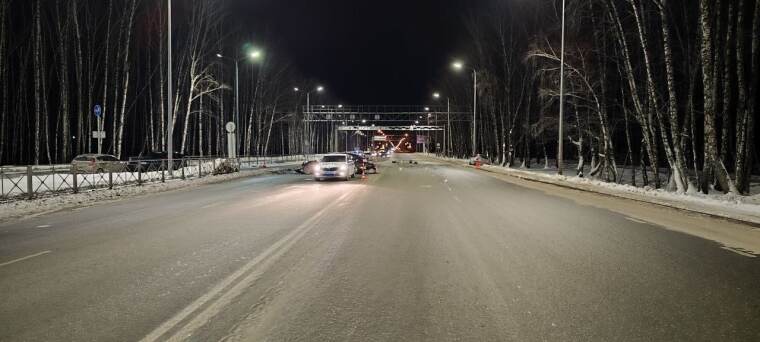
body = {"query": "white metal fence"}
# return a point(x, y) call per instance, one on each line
point(30, 181)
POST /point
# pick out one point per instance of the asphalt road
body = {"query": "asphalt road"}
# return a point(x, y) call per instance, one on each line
point(425, 252)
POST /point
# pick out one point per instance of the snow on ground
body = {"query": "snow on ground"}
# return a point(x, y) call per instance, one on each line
point(26, 208)
point(742, 208)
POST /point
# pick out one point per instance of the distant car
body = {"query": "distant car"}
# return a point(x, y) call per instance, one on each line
point(308, 167)
point(91, 163)
point(153, 160)
point(362, 162)
point(338, 165)
point(481, 159)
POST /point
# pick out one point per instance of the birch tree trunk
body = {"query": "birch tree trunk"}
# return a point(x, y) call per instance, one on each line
point(82, 137)
point(674, 147)
point(38, 88)
point(3, 78)
point(713, 168)
point(125, 78)
point(63, 81)
point(747, 130)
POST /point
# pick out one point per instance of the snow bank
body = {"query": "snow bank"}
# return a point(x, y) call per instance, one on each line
point(728, 206)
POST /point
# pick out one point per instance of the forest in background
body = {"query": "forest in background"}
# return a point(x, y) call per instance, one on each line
point(60, 58)
point(649, 84)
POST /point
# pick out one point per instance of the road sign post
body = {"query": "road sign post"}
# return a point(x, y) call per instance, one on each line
point(100, 134)
point(231, 143)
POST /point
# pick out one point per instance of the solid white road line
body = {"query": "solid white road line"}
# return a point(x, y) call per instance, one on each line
point(226, 290)
point(24, 258)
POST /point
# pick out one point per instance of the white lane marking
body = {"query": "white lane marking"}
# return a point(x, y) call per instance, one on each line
point(227, 290)
point(44, 226)
point(737, 251)
point(636, 220)
point(25, 258)
point(211, 205)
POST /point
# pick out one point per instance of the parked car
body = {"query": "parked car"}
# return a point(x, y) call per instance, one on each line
point(153, 160)
point(362, 162)
point(91, 163)
point(338, 165)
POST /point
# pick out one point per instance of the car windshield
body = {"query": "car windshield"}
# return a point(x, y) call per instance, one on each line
point(334, 159)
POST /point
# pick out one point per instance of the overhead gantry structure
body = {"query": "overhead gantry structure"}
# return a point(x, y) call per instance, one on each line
point(363, 118)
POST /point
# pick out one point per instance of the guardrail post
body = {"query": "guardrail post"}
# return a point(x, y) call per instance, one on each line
point(163, 176)
point(75, 181)
point(183, 170)
point(139, 175)
point(110, 180)
point(29, 183)
point(213, 164)
point(200, 168)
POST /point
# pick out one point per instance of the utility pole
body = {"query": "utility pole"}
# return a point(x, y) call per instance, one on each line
point(474, 110)
point(560, 146)
point(237, 103)
point(170, 94)
point(448, 127)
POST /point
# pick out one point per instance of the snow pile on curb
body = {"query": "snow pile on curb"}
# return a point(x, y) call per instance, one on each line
point(24, 208)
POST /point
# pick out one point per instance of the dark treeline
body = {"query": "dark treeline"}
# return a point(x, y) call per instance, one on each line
point(59, 58)
point(650, 84)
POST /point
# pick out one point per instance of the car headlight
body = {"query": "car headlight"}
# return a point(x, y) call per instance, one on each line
point(343, 167)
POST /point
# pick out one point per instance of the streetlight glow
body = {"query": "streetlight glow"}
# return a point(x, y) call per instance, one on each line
point(219, 55)
point(320, 88)
point(457, 65)
point(255, 54)
point(296, 89)
point(436, 95)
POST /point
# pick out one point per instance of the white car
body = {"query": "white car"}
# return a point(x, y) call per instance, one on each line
point(337, 165)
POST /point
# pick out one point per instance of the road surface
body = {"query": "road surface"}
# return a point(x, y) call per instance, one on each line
point(419, 252)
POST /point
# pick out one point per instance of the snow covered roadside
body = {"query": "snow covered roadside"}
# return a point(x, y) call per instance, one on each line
point(29, 208)
point(737, 208)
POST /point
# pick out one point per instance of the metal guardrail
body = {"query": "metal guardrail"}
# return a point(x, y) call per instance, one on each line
point(31, 181)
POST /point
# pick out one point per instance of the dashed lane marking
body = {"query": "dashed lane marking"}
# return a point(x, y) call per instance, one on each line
point(24, 258)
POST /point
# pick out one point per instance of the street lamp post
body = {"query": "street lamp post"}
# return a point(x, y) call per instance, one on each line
point(447, 130)
point(460, 66)
point(560, 142)
point(253, 55)
point(170, 96)
point(307, 125)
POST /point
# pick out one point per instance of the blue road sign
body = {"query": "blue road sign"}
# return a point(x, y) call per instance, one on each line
point(97, 110)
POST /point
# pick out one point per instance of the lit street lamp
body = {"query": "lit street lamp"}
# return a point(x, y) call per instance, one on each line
point(307, 126)
point(446, 132)
point(457, 65)
point(253, 55)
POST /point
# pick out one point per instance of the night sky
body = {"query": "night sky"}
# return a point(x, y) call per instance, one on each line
point(364, 52)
